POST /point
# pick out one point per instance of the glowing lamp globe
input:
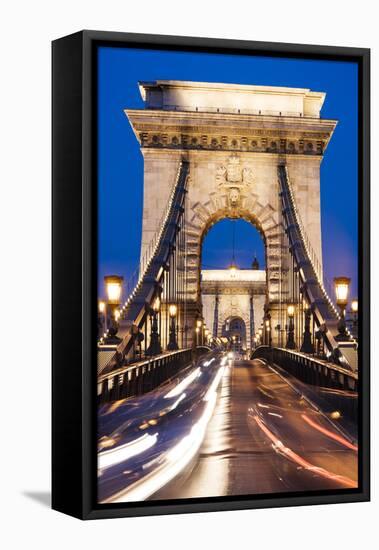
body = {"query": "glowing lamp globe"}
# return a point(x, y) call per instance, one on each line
point(342, 290)
point(113, 286)
point(291, 310)
point(156, 305)
point(172, 310)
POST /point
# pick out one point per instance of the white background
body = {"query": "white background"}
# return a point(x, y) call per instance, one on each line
point(26, 31)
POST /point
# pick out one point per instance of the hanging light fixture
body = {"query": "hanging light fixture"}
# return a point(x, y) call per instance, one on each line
point(233, 266)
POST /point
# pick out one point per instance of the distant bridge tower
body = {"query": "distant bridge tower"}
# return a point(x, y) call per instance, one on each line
point(234, 138)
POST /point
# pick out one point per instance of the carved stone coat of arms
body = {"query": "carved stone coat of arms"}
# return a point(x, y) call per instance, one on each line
point(234, 179)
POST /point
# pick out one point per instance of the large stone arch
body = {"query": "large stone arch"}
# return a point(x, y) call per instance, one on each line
point(203, 215)
point(245, 327)
point(234, 137)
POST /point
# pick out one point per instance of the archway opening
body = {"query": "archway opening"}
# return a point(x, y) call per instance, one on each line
point(230, 237)
point(233, 282)
point(234, 328)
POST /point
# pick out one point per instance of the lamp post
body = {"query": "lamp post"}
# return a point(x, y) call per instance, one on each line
point(268, 330)
point(113, 288)
point(155, 347)
point(342, 292)
point(172, 343)
point(207, 335)
point(199, 332)
point(307, 346)
point(291, 344)
point(102, 316)
point(354, 310)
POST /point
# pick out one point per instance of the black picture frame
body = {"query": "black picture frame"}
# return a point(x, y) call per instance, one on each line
point(74, 295)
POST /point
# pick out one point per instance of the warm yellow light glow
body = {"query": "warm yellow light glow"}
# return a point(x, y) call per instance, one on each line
point(197, 330)
point(199, 322)
point(157, 305)
point(113, 286)
point(354, 305)
point(267, 323)
point(172, 310)
point(342, 289)
point(101, 307)
point(260, 332)
point(117, 315)
point(291, 310)
point(233, 268)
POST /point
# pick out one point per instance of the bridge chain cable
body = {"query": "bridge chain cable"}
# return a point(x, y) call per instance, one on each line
point(307, 279)
point(162, 283)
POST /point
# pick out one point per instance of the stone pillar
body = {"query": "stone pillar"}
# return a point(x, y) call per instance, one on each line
point(252, 323)
point(215, 316)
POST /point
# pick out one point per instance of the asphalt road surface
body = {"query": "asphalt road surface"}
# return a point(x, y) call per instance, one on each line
point(263, 437)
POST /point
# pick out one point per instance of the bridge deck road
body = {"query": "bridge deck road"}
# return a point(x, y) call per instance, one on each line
point(265, 438)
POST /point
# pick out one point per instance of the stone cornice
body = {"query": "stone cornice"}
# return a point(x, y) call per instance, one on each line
point(220, 131)
point(229, 287)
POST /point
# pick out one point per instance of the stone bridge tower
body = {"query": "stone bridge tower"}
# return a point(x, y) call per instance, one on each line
point(234, 137)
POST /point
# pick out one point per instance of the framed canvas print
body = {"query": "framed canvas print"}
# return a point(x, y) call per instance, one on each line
point(210, 274)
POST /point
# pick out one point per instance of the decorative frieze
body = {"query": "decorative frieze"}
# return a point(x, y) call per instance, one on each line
point(210, 142)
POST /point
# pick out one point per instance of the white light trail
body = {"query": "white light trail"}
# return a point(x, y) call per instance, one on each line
point(112, 457)
point(178, 457)
point(179, 388)
point(174, 405)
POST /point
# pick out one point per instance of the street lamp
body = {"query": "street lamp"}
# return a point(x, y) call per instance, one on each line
point(113, 288)
point(197, 330)
point(268, 331)
point(291, 344)
point(102, 316)
point(354, 310)
point(342, 293)
point(155, 347)
point(172, 343)
point(307, 346)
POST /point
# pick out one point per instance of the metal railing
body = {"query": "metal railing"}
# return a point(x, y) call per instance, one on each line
point(317, 373)
point(144, 376)
point(235, 111)
point(309, 369)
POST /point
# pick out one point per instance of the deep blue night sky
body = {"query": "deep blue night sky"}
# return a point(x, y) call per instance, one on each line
point(121, 167)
